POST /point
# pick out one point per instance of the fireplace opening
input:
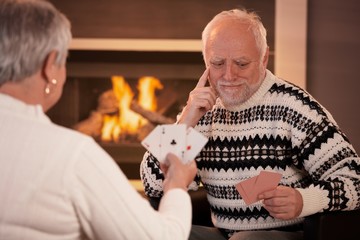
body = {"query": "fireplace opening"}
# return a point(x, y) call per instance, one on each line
point(125, 115)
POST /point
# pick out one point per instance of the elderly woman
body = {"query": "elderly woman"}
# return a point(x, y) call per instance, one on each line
point(56, 183)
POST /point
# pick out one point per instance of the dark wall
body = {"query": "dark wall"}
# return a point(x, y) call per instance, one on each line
point(333, 61)
point(175, 19)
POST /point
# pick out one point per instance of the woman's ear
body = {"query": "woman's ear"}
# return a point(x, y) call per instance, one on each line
point(49, 66)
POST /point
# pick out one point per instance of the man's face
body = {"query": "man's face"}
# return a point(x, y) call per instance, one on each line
point(236, 68)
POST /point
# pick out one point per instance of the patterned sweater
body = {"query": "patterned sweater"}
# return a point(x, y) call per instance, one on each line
point(280, 128)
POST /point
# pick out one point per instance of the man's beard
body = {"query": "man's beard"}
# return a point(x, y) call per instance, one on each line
point(231, 99)
point(236, 98)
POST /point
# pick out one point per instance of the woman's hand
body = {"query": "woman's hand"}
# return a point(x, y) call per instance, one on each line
point(176, 173)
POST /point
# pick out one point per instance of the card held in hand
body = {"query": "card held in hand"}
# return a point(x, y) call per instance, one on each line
point(152, 142)
point(172, 140)
point(186, 143)
point(251, 188)
point(195, 142)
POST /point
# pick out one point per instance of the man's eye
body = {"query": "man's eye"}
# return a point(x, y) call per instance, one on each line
point(217, 64)
point(242, 64)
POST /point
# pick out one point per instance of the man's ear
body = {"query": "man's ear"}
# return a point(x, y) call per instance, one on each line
point(266, 57)
point(49, 66)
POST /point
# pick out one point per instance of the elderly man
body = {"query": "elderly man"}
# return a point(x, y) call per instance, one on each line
point(256, 121)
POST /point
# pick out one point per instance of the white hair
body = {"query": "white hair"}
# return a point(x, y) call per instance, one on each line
point(243, 16)
point(30, 30)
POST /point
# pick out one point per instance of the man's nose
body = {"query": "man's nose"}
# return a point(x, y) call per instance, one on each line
point(229, 72)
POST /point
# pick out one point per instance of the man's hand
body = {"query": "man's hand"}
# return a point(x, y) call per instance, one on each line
point(176, 173)
point(283, 202)
point(201, 99)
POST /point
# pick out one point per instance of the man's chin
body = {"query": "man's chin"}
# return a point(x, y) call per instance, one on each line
point(230, 102)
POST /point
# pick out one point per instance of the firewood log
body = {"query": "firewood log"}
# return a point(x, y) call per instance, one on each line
point(107, 102)
point(152, 117)
point(166, 99)
point(90, 126)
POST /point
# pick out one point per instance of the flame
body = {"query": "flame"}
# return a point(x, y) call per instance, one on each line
point(127, 121)
point(147, 87)
point(111, 130)
point(147, 99)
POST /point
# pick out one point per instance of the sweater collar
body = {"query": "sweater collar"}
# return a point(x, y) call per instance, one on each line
point(15, 106)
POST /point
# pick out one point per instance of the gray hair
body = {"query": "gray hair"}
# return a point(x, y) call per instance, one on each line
point(29, 31)
point(243, 16)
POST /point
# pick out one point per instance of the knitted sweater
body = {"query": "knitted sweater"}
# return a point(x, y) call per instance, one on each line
point(280, 128)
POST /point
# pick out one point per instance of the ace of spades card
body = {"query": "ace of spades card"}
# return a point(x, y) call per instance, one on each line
point(152, 142)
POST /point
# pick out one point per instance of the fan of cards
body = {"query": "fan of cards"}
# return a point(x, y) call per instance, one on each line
point(186, 143)
point(250, 189)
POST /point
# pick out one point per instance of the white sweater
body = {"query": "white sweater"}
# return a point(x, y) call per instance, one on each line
point(56, 183)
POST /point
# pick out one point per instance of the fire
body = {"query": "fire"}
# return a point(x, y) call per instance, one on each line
point(111, 129)
point(147, 99)
point(127, 122)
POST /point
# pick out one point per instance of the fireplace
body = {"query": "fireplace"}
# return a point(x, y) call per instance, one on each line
point(90, 74)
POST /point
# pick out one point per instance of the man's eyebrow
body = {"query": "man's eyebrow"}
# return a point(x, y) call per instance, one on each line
point(216, 59)
point(241, 59)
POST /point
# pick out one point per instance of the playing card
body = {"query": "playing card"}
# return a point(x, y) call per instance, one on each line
point(195, 141)
point(172, 140)
point(267, 181)
point(245, 188)
point(152, 142)
point(251, 188)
